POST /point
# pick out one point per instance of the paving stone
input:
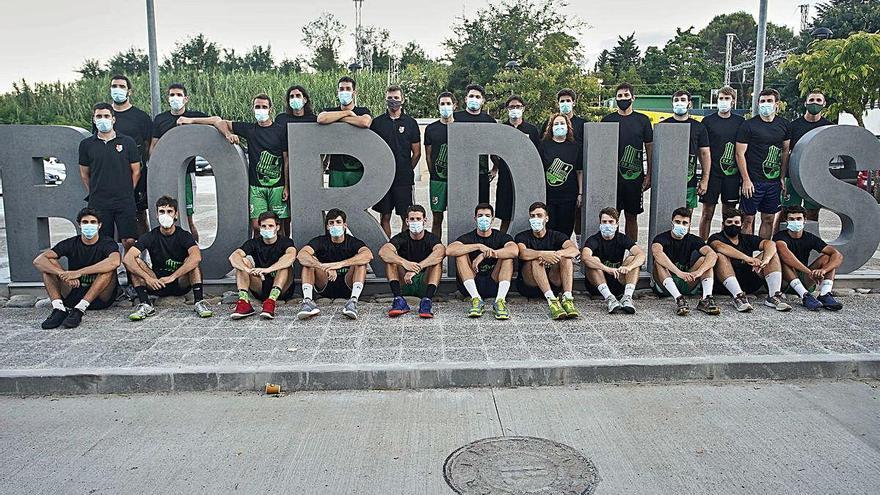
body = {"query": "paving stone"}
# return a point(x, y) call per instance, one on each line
point(21, 301)
point(416, 355)
point(229, 297)
point(43, 303)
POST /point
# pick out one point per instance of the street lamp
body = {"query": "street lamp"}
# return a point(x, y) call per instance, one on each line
point(821, 33)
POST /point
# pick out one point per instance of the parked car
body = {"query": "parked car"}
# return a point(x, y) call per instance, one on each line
point(203, 167)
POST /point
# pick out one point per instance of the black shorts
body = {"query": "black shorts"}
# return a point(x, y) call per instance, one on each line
point(504, 195)
point(398, 198)
point(486, 286)
point(75, 296)
point(749, 281)
point(140, 191)
point(614, 286)
point(174, 289)
point(562, 216)
point(337, 289)
point(630, 197)
point(725, 187)
point(484, 188)
point(533, 292)
point(266, 289)
point(119, 219)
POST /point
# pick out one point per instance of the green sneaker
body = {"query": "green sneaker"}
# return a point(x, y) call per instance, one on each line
point(143, 312)
point(499, 308)
point(476, 308)
point(556, 311)
point(201, 308)
point(568, 307)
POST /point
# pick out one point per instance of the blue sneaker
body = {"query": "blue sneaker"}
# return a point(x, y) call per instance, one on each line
point(398, 307)
point(828, 302)
point(425, 308)
point(810, 302)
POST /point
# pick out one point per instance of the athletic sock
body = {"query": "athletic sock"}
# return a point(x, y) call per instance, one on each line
point(671, 288)
point(503, 287)
point(471, 287)
point(567, 295)
point(774, 282)
point(274, 293)
point(549, 295)
point(429, 292)
point(142, 294)
point(629, 289)
point(243, 295)
point(82, 305)
point(307, 291)
point(395, 287)
point(707, 284)
point(356, 289)
point(732, 286)
point(58, 304)
point(198, 293)
point(798, 287)
point(825, 287)
point(604, 290)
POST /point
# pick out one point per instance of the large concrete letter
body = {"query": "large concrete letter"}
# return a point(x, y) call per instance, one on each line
point(600, 173)
point(310, 199)
point(858, 211)
point(668, 178)
point(27, 201)
point(167, 170)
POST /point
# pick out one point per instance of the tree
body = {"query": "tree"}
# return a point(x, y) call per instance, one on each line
point(376, 45)
point(259, 59)
point(324, 36)
point(538, 86)
point(91, 68)
point(413, 54)
point(231, 61)
point(197, 52)
point(845, 17)
point(625, 55)
point(131, 61)
point(288, 66)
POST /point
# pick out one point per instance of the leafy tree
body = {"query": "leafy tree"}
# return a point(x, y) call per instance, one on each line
point(845, 17)
point(376, 44)
point(324, 36)
point(288, 66)
point(601, 65)
point(197, 52)
point(231, 61)
point(131, 61)
point(413, 54)
point(259, 59)
point(91, 67)
point(625, 55)
point(538, 86)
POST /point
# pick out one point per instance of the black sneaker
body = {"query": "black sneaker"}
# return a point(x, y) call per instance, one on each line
point(55, 319)
point(828, 302)
point(73, 318)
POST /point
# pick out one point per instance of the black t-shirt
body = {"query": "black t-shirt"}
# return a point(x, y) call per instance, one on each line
point(285, 118)
point(610, 251)
point(679, 251)
point(699, 138)
point(801, 248)
point(327, 251)
point(496, 240)
point(800, 126)
point(561, 163)
point(400, 134)
point(166, 121)
point(465, 117)
point(136, 124)
point(577, 124)
point(414, 250)
point(80, 255)
point(748, 243)
point(167, 252)
point(534, 136)
point(265, 149)
point(722, 142)
point(266, 255)
point(633, 132)
point(109, 164)
point(347, 163)
point(765, 140)
point(552, 241)
point(437, 137)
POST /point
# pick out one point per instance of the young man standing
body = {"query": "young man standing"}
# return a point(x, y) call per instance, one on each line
point(724, 179)
point(436, 155)
point(811, 119)
point(484, 263)
point(546, 264)
point(90, 279)
point(475, 99)
point(175, 256)
point(178, 99)
point(635, 144)
point(613, 261)
point(109, 166)
point(402, 134)
point(346, 170)
point(795, 245)
point(335, 266)
point(762, 145)
point(297, 107)
point(683, 264)
point(414, 256)
point(698, 147)
point(268, 273)
point(504, 193)
point(745, 263)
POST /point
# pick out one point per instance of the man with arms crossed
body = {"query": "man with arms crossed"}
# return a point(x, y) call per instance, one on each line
point(724, 179)
point(610, 271)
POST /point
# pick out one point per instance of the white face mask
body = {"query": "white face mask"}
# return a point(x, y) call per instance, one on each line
point(176, 102)
point(261, 114)
point(724, 106)
point(416, 227)
point(515, 113)
point(537, 224)
point(166, 220)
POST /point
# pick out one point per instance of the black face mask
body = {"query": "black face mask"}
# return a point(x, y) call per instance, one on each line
point(732, 230)
point(393, 105)
point(624, 104)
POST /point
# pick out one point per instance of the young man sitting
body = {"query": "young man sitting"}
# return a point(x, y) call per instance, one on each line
point(612, 260)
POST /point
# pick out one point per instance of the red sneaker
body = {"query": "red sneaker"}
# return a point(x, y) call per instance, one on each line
point(243, 309)
point(268, 309)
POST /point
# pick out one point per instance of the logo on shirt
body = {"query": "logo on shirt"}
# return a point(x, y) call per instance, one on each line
point(772, 163)
point(728, 161)
point(692, 166)
point(440, 164)
point(172, 265)
point(87, 280)
point(268, 169)
point(630, 163)
point(119, 148)
point(401, 129)
point(558, 172)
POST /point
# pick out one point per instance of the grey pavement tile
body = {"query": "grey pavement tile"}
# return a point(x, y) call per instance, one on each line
point(760, 347)
point(421, 355)
point(340, 343)
point(422, 342)
point(669, 338)
point(71, 359)
point(213, 344)
point(335, 356)
point(719, 349)
point(29, 359)
point(498, 340)
point(597, 351)
point(294, 356)
point(543, 340)
point(474, 339)
point(205, 358)
point(665, 350)
point(380, 342)
point(803, 347)
point(131, 345)
point(841, 346)
point(379, 356)
point(158, 359)
point(635, 350)
point(114, 359)
point(464, 354)
point(250, 357)
point(512, 353)
point(550, 353)
point(175, 345)
point(584, 339)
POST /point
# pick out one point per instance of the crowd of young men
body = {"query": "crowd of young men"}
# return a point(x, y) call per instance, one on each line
point(741, 162)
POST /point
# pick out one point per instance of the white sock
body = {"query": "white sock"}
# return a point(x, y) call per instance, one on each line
point(471, 287)
point(732, 286)
point(307, 291)
point(356, 289)
point(629, 289)
point(567, 295)
point(798, 287)
point(825, 287)
point(58, 304)
point(774, 282)
point(603, 289)
point(708, 284)
point(82, 305)
point(549, 295)
point(503, 287)
point(671, 288)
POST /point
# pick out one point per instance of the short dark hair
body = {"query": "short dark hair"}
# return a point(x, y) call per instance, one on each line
point(416, 208)
point(476, 87)
point(103, 106)
point(307, 108)
point(446, 94)
point(610, 211)
point(347, 79)
point(682, 92)
point(333, 214)
point(122, 77)
point(484, 206)
point(795, 209)
point(167, 201)
point(266, 215)
point(394, 88)
point(681, 212)
point(566, 92)
point(769, 92)
point(727, 90)
point(262, 96)
point(177, 86)
point(730, 212)
point(537, 204)
point(87, 211)
point(627, 86)
point(817, 91)
point(515, 98)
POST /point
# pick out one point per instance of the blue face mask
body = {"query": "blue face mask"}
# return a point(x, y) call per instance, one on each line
point(484, 223)
point(445, 111)
point(104, 125)
point(766, 109)
point(679, 230)
point(416, 227)
point(795, 225)
point(297, 103)
point(560, 130)
point(267, 233)
point(680, 107)
point(336, 230)
point(607, 230)
point(566, 106)
point(89, 230)
point(536, 224)
point(474, 104)
point(345, 97)
point(119, 95)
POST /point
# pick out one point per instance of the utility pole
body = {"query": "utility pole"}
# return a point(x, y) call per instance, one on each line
point(728, 58)
point(155, 106)
point(805, 16)
point(359, 57)
point(759, 55)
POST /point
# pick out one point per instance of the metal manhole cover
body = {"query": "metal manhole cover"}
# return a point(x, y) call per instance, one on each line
point(519, 465)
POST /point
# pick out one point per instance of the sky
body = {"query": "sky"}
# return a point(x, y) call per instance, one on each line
point(46, 40)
